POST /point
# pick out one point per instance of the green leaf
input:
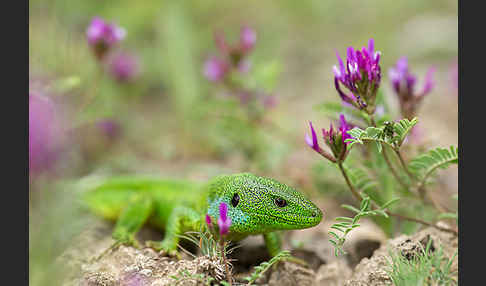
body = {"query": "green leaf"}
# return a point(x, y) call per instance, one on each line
point(389, 203)
point(351, 208)
point(425, 164)
point(403, 127)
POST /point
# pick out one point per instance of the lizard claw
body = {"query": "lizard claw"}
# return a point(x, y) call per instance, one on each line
point(164, 247)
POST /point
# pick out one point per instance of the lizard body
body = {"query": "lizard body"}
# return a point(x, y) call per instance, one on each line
point(256, 206)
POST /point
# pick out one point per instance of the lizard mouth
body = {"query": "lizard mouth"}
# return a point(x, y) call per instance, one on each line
point(303, 222)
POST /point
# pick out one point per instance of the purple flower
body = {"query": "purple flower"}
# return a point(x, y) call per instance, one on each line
point(224, 222)
point(344, 128)
point(208, 220)
point(313, 143)
point(331, 135)
point(247, 39)
point(215, 69)
point(429, 81)
point(403, 83)
point(124, 67)
point(234, 56)
point(102, 36)
point(334, 138)
point(361, 75)
point(454, 76)
point(110, 128)
point(270, 101)
point(45, 136)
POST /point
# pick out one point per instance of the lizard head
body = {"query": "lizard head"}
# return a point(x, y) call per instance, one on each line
point(260, 205)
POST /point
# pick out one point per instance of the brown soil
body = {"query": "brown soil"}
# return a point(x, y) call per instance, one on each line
point(136, 267)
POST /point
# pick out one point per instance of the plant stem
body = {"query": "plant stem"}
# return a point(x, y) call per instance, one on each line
point(387, 160)
point(358, 197)
point(225, 261)
point(348, 182)
point(392, 169)
point(421, 222)
point(91, 94)
point(404, 165)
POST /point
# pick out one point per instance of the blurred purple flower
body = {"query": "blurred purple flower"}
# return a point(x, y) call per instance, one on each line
point(224, 222)
point(110, 128)
point(454, 76)
point(44, 133)
point(232, 56)
point(361, 76)
point(101, 36)
point(245, 96)
point(208, 220)
point(124, 67)
point(270, 101)
point(215, 69)
point(244, 66)
point(404, 82)
point(247, 39)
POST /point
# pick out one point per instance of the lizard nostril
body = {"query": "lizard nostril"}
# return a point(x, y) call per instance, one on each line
point(314, 214)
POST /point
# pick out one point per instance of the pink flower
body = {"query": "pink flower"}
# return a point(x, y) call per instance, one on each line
point(101, 36)
point(224, 222)
point(215, 69)
point(247, 39)
point(45, 133)
point(124, 67)
point(208, 220)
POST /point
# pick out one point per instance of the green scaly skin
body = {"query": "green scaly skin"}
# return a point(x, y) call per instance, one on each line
point(181, 206)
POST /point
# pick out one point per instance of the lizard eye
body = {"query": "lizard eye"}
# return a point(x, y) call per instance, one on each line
point(280, 202)
point(235, 200)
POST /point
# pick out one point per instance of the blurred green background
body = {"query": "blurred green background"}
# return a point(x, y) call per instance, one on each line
point(174, 122)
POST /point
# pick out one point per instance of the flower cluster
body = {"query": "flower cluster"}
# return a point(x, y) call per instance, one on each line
point(333, 138)
point(232, 56)
point(103, 36)
point(361, 76)
point(45, 133)
point(404, 82)
point(224, 222)
point(124, 67)
point(233, 59)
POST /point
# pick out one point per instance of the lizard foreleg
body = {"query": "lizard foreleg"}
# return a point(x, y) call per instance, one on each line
point(181, 219)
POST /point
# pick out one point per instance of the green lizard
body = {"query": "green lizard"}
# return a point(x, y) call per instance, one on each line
point(256, 205)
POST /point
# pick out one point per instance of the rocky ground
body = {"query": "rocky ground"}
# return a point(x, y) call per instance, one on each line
point(365, 264)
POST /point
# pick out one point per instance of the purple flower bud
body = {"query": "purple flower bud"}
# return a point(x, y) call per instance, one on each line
point(224, 222)
point(404, 82)
point(208, 220)
point(361, 75)
point(110, 128)
point(45, 133)
point(344, 128)
point(221, 43)
point(312, 142)
point(124, 67)
point(429, 81)
point(102, 36)
point(247, 39)
point(215, 69)
point(335, 138)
